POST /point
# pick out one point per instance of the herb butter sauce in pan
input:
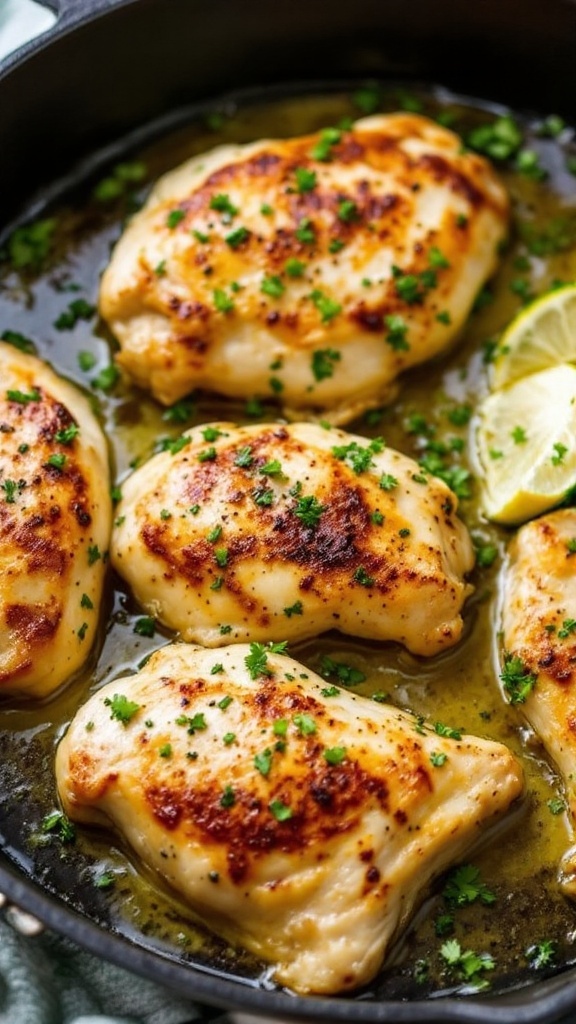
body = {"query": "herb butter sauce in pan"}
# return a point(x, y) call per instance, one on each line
point(497, 920)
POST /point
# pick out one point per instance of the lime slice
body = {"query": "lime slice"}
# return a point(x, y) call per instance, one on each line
point(526, 441)
point(542, 335)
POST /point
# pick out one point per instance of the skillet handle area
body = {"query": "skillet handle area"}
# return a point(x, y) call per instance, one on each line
point(23, 21)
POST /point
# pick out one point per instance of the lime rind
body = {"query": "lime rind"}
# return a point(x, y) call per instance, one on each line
point(541, 336)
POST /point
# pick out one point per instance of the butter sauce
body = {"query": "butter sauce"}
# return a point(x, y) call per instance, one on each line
point(460, 688)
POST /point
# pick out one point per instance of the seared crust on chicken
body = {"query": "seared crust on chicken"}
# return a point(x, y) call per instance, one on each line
point(301, 822)
point(539, 634)
point(313, 269)
point(55, 518)
point(274, 532)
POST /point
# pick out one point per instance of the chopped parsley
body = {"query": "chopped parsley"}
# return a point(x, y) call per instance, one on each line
point(271, 468)
point(221, 557)
point(19, 341)
point(309, 510)
point(257, 661)
point(388, 482)
point(195, 723)
point(517, 680)
point(348, 211)
point(305, 233)
point(446, 730)
point(322, 150)
point(77, 310)
point(305, 179)
point(237, 238)
point(31, 244)
point(334, 755)
point(359, 458)
point(56, 461)
point(363, 578)
point(263, 496)
point(294, 609)
point(346, 674)
point(174, 445)
point(222, 302)
point(263, 761)
point(499, 140)
point(273, 286)
point(305, 724)
point(174, 218)
point(541, 954)
point(280, 810)
point(326, 306)
point(244, 457)
point(145, 626)
point(107, 378)
point(222, 204)
point(94, 554)
point(437, 259)
point(67, 435)
point(469, 965)
point(86, 602)
point(228, 798)
point(397, 331)
point(122, 709)
point(437, 759)
point(294, 268)
point(323, 362)
point(60, 825)
point(207, 455)
point(23, 397)
point(464, 886)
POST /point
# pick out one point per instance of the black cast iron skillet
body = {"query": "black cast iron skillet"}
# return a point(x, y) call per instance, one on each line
point(111, 67)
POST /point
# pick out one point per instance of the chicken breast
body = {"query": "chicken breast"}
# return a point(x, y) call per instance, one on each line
point(539, 635)
point(55, 519)
point(312, 270)
point(275, 532)
point(300, 821)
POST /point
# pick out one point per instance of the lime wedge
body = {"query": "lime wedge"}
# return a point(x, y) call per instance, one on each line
point(542, 335)
point(526, 441)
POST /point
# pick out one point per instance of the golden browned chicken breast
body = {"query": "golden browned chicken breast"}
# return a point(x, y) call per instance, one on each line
point(301, 821)
point(539, 622)
point(55, 518)
point(273, 532)
point(312, 270)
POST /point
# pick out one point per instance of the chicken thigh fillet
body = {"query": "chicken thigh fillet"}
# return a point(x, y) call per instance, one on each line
point(301, 822)
point(312, 270)
point(274, 532)
point(539, 627)
point(55, 519)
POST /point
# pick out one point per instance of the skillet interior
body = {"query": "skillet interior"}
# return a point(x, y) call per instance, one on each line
point(59, 877)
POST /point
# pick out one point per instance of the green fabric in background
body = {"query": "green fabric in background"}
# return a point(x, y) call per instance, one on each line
point(48, 980)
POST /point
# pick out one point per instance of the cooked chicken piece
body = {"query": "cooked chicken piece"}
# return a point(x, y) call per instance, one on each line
point(55, 518)
point(275, 532)
point(539, 636)
point(312, 270)
point(302, 822)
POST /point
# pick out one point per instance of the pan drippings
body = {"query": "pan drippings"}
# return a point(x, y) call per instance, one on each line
point(505, 904)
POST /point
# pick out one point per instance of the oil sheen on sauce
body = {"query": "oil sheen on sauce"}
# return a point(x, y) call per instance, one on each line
point(434, 412)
